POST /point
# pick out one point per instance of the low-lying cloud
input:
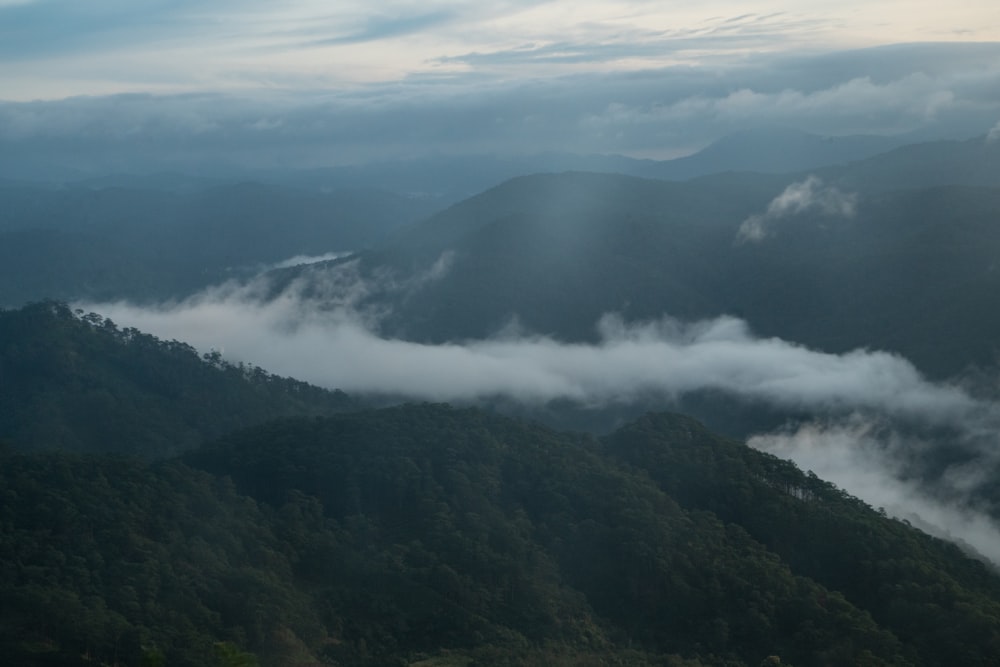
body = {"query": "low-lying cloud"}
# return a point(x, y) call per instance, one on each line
point(809, 195)
point(333, 342)
point(299, 260)
point(994, 133)
point(321, 329)
point(870, 459)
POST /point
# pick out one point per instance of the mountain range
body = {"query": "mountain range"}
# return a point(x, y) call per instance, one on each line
point(125, 242)
point(846, 258)
point(423, 534)
point(168, 503)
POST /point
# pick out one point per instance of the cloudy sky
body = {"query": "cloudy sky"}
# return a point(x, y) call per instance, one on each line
point(318, 83)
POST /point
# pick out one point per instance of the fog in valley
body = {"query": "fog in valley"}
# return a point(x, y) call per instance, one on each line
point(870, 414)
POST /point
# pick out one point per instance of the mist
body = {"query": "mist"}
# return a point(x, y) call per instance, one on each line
point(873, 409)
point(333, 342)
point(299, 260)
point(870, 459)
point(810, 195)
point(994, 133)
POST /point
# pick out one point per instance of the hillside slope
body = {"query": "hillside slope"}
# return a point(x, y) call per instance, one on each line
point(424, 532)
point(127, 242)
point(78, 382)
point(909, 271)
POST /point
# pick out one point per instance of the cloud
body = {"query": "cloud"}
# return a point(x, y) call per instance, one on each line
point(299, 260)
point(879, 421)
point(303, 119)
point(805, 196)
point(994, 133)
point(643, 43)
point(868, 91)
point(869, 460)
point(383, 27)
point(317, 329)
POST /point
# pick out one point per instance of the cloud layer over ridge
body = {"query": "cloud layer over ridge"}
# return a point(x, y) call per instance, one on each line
point(870, 408)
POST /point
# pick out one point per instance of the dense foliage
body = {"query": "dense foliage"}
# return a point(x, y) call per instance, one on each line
point(906, 580)
point(107, 562)
point(428, 533)
point(533, 533)
point(78, 382)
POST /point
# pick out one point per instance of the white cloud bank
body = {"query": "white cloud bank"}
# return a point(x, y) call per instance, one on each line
point(810, 195)
point(318, 330)
point(334, 345)
point(274, 120)
point(299, 260)
point(994, 133)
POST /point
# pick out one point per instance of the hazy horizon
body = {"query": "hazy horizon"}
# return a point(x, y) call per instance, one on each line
point(106, 87)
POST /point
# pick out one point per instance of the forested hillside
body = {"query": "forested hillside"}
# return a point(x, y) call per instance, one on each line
point(76, 381)
point(428, 533)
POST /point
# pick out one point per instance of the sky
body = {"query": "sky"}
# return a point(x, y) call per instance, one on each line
point(312, 83)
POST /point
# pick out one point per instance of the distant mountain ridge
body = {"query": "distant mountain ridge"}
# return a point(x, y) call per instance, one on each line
point(154, 236)
point(974, 162)
point(558, 251)
point(455, 177)
point(117, 242)
point(772, 151)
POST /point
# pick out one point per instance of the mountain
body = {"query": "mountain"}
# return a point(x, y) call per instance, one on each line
point(623, 244)
point(974, 162)
point(451, 178)
point(76, 382)
point(112, 243)
point(165, 235)
point(427, 535)
point(773, 151)
point(836, 267)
